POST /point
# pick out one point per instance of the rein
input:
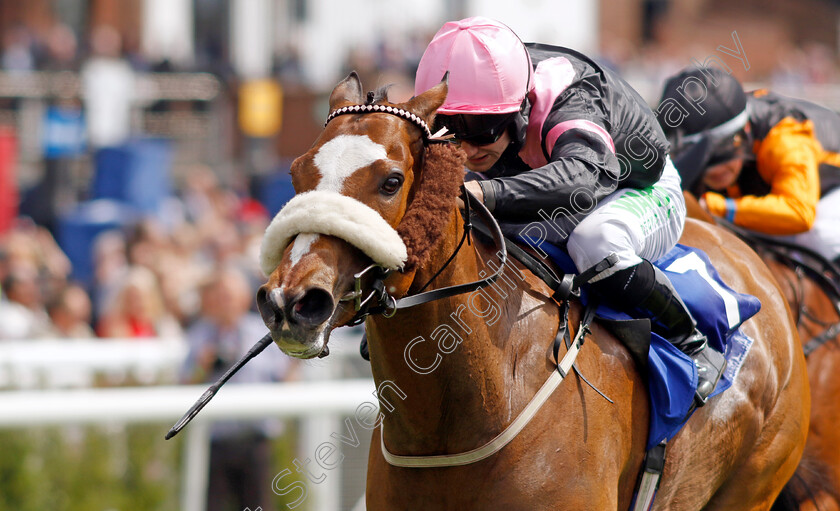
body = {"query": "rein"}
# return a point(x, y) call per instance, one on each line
point(511, 431)
point(387, 305)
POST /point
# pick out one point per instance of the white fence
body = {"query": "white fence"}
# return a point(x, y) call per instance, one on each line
point(50, 382)
point(168, 403)
point(65, 363)
point(323, 400)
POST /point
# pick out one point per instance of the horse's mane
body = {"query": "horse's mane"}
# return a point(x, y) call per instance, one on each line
point(378, 95)
point(425, 219)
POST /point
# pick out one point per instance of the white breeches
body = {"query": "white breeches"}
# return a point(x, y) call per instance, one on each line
point(634, 224)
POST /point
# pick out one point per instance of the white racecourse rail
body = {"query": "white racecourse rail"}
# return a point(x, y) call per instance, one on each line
point(67, 367)
point(168, 404)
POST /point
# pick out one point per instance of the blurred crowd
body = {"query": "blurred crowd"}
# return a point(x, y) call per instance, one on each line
point(147, 276)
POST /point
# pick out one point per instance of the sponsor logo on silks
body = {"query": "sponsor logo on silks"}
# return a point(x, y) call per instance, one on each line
point(646, 204)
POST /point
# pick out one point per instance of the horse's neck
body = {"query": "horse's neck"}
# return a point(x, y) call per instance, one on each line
point(449, 358)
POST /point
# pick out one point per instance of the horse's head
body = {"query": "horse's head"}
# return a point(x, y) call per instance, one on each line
point(356, 189)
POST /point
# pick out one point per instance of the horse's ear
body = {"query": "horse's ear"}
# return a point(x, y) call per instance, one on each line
point(427, 103)
point(348, 92)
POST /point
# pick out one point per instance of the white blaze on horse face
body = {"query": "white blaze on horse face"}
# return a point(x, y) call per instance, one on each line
point(340, 157)
point(301, 246)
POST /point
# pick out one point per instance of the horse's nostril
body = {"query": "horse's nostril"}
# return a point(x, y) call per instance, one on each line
point(270, 310)
point(313, 308)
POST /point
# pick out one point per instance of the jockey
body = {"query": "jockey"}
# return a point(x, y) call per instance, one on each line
point(766, 162)
point(557, 140)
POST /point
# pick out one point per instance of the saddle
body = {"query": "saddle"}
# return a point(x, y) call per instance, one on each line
point(670, 375)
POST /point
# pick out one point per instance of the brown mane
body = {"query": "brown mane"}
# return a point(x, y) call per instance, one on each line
point(425, 219)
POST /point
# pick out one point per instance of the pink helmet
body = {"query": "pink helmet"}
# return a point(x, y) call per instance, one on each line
point(489, 67)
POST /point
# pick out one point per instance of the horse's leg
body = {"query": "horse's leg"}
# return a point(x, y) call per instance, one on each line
point(822, 501)
point(823, 445)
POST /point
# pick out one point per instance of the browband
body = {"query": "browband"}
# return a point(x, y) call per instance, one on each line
point(399, 112)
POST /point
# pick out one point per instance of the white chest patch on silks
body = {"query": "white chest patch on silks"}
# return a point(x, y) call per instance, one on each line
point(340, 157)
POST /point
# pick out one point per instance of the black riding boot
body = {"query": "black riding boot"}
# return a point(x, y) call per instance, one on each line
point(646, 290)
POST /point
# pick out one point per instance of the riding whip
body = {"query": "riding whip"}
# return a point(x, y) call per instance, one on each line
point(213, 389)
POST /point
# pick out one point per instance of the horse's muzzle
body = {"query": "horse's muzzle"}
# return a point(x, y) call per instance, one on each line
point(297, 319)
point(311, 308)
point(270, 305)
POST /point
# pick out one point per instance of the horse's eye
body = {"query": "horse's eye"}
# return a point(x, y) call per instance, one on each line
point(391, 184)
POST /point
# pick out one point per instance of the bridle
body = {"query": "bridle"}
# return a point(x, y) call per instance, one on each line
point(377, 300)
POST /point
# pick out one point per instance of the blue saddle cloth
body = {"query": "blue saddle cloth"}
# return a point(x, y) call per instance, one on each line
point(719, 311)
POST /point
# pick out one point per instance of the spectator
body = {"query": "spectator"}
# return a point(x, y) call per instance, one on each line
point(61, 46)
point(70, 313)
point(17, 53)
point(147, 241)
point(110, 263)
point(108, 89)
point(32, 245)
point(240, 452)
point(22, 312)
point(137, 309)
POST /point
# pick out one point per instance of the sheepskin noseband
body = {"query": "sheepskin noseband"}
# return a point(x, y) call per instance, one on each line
point(333, 214)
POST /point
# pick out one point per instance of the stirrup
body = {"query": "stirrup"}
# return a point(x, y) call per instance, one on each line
point(710, 366)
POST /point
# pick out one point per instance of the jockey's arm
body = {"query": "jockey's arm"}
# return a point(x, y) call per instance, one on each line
point(582, 171)
point(788, 159)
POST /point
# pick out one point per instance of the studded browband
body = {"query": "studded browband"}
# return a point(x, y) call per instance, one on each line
point(399, 112)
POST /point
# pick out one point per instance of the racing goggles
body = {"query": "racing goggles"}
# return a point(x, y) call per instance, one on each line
point(694, 154)
point(730, 148)
point(722, 143)
point(478, 130)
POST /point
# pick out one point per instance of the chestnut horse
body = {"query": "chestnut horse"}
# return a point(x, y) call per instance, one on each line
point(460, 369)
point(816, 486)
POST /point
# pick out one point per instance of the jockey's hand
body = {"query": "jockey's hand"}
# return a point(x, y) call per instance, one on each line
point(473, 188)
point(702, 201)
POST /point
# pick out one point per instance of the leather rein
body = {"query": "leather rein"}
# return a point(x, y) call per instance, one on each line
point(377, 300)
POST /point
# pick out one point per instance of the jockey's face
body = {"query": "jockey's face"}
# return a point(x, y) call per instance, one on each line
point(727, 160)
point(480, 158)
point(723, 175)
